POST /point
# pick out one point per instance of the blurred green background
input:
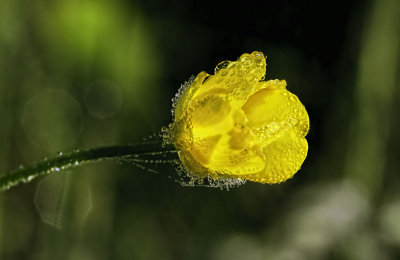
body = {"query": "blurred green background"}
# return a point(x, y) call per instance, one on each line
point(82, 74)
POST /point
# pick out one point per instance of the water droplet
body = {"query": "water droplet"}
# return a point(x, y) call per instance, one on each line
point(221, 65)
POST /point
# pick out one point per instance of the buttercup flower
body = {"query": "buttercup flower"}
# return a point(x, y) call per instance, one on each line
point(234, 124)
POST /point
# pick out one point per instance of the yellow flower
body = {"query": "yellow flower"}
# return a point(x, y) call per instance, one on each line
point(236, 125)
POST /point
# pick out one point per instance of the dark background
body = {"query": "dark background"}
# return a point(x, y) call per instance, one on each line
point(82, 74)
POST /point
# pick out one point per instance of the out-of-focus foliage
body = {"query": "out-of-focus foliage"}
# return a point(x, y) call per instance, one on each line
point(81, 74)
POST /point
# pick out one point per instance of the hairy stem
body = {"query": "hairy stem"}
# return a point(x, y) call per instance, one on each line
point(77, 158)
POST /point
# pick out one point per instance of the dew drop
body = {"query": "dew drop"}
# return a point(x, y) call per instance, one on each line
point(221, 65)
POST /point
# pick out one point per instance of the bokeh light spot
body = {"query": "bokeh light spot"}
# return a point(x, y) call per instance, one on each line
point(52, 120)
point(50, 199)
point(103, 99)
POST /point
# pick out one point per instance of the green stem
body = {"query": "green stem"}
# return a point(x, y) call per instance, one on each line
point(74, 159)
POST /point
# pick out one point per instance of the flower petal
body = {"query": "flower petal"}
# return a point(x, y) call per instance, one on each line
point(238, 77)
point(276, 106)
point(229, 162)
point(187, 94)
point(283, 158)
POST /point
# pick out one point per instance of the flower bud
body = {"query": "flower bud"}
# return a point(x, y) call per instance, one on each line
point(234, 124)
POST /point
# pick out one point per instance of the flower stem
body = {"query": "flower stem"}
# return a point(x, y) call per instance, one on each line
point(77, 158)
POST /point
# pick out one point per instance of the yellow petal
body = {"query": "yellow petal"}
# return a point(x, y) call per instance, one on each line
point(186, 95)
point(283, 158)
point(275, 105)
point(238, 77)
point(229, 162)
